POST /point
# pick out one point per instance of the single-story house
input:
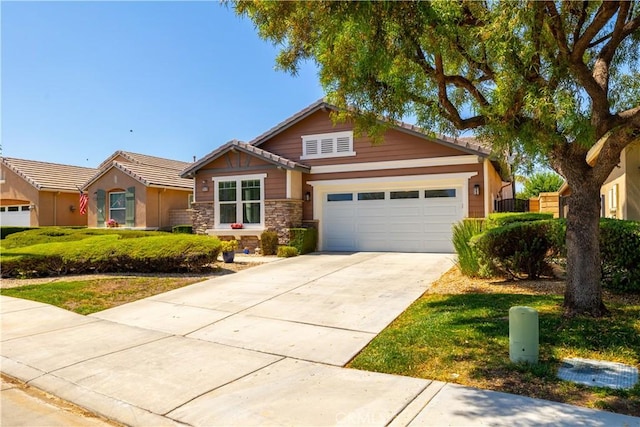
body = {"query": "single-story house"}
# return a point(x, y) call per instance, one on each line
point(138, 191)
point(401, 195)
point(620, 193)
point(34, 193)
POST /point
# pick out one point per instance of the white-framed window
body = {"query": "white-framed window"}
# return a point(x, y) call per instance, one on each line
point(240, 199)
point(335, 144)
point(117, 207)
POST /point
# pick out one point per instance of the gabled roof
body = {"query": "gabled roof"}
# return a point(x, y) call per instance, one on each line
point(249, 149)
point(144, 159)
point(49, 176)
point(466, 144)
point(151, 171)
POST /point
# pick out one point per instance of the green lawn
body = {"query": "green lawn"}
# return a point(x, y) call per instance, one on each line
point(464, 338)
point(90, 296)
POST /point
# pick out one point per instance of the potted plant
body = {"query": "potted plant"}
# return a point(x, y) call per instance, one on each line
point(112, 223)
point(228, 248)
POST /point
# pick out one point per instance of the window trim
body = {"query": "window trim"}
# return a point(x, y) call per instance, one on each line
point(334, 136)
point(239, 203)
point(123, 208)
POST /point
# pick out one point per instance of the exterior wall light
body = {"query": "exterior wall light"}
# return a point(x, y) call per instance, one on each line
point(307, 196)
point(476, 189)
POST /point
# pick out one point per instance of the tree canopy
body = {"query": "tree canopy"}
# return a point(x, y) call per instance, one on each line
point(540, 182)
point(545, 80)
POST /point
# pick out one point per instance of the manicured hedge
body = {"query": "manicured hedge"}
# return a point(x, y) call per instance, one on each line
point(5, 231)
point(620, 254)
point(287, 251)
point(495, 220)
point(517, 248)
point(36, 236)
point(304, 239)
point(112, 253)
point(186, 229)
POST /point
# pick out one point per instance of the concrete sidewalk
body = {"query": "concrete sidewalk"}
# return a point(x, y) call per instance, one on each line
point(264, 346)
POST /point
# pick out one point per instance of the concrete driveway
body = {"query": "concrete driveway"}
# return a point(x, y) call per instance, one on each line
point(264, 346)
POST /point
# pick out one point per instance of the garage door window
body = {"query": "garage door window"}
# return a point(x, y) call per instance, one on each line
point(376, 195)
point(339, 197)
point(432, 194)
point(404, 194)
point(13, 208)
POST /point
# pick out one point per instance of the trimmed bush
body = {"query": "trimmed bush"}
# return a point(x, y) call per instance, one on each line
point(5, 231)
point(496, 220)
point(520, 247)
point(304, 239)
point(269, 242)
point(287, 251)
point(182, 229)
point(165, 253)
point(36, 236)
point(620, 254)
point(468, 258)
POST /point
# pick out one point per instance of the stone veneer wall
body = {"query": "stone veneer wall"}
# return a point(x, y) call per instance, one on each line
point(202, 216)
point(281, 215)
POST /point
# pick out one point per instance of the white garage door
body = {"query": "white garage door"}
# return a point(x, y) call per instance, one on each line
point(17, 216)
point(394, 220)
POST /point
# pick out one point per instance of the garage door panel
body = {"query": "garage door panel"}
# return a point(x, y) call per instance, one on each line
point(403, 225)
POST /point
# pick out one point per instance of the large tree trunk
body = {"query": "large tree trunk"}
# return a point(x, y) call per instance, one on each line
point(583, 292)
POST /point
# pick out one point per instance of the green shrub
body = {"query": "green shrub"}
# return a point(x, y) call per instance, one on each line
point(520, 247)
point(287, 251)
point(5, 231)
point(36, 236)
point(269, 242)
point(620, 254)
point(304, 239)
point(468, 258)
point(182, 229)
point(495, 220)
point(163, 253)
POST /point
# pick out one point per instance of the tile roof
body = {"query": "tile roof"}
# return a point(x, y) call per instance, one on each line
point(467, 144)
point(144, 159)
point(155, 176)
point(149, 170)
point(249, 149)
point(49, 176)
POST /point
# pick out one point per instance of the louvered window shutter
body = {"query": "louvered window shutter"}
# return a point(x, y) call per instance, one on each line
point(311, 147)
point(101, 197)
point(130, 204)
point(343, 144)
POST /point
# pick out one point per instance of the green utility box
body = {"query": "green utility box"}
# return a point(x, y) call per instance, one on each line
point(523, 334)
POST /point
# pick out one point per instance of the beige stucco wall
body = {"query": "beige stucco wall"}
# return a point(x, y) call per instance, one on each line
point(49, 207)
point(626, 178)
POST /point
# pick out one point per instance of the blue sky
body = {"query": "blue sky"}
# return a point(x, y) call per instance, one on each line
point(184, 77)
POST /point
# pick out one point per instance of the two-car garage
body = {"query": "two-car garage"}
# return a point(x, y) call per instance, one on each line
point(410, 214)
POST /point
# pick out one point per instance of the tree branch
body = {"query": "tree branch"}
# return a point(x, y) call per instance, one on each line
point(603, 15)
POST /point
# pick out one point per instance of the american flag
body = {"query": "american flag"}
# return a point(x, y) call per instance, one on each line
point(84, 201)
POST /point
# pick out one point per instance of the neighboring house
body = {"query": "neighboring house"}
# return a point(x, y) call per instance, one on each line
point(137, 191)
point(37, 193)
point(620, 194)
point(401, 195)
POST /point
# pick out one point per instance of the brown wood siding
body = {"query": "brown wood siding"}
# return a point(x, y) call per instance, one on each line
point(396, 146)
point(236, 164)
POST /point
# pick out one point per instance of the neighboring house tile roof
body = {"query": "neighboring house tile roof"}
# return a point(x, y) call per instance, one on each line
point(249, 149)
point(149, 170)
point(144, 159)
point(467, 144)
point(49, 176)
